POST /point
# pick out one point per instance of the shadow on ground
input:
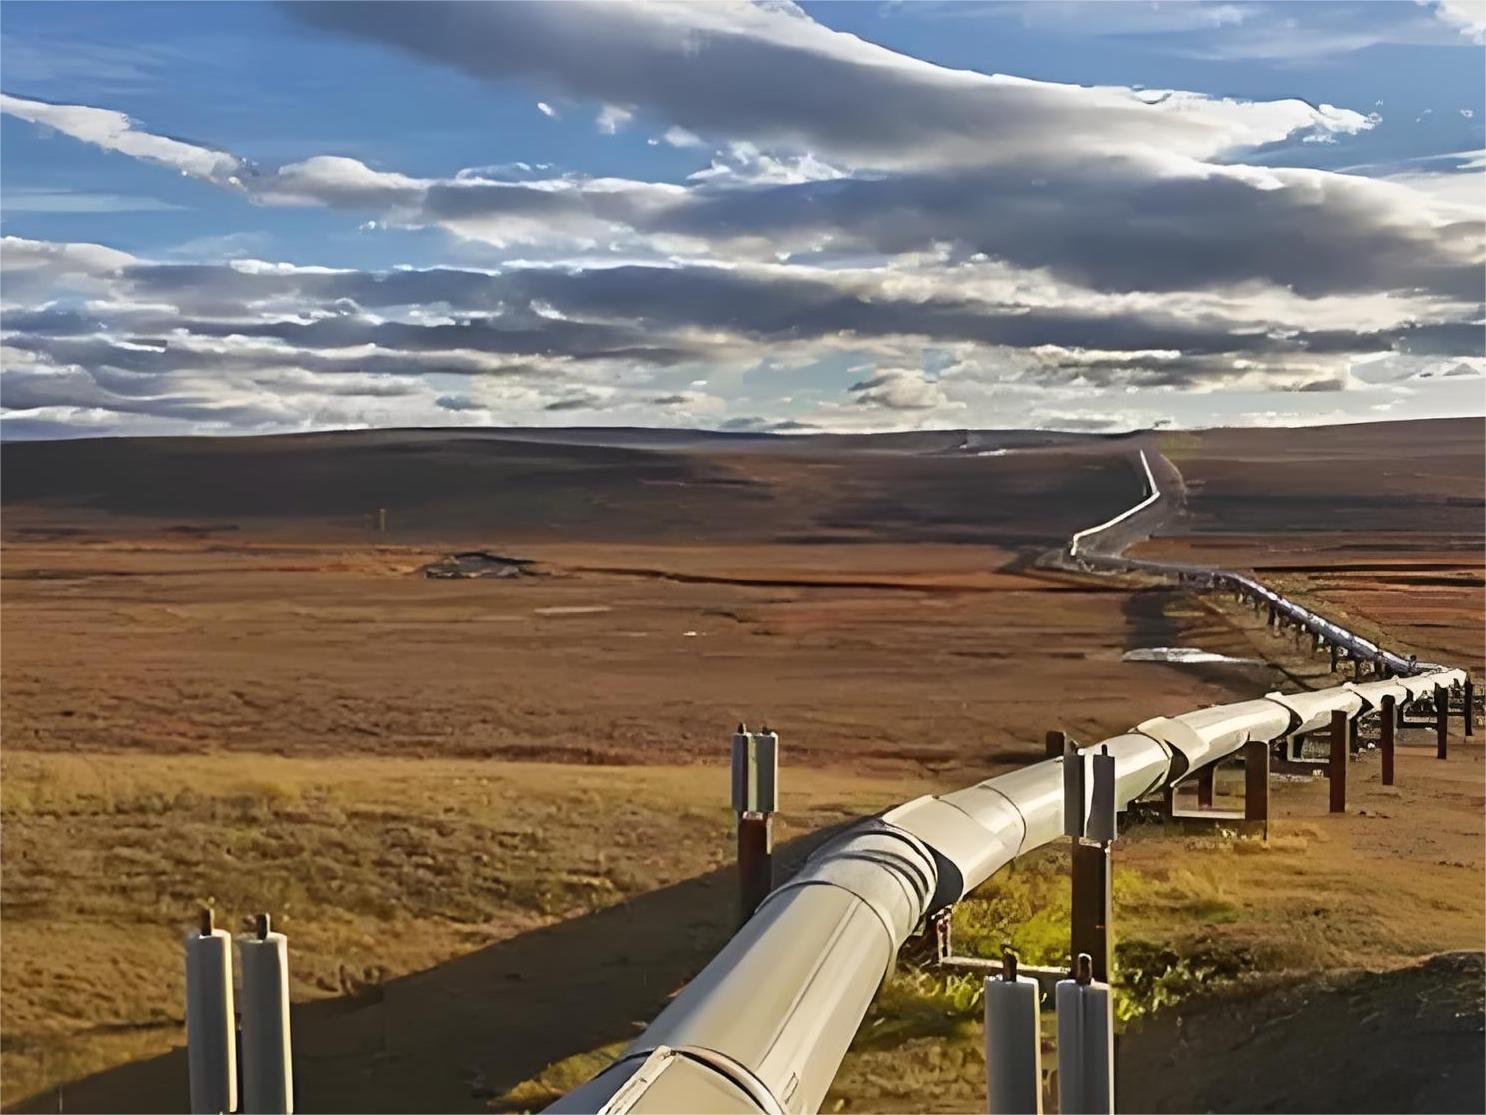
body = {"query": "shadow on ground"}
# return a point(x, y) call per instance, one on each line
point(454, 1037)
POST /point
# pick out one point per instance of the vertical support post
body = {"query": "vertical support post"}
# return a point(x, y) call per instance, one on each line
point(1273, 615)
point(1205, 778)
point(268, 1061)
point(1441, 721)
point(1356, 668)
point(1339, 759)
point(211, 1040)
point(1013, 1042)
point(1388, 722)
point(1093, 904)
point(755, 862)
point(1468, 711)
point(1256, 783)
point(1054, 743)
point(1085, 1043)
point(755, 760)
point(1334, 653)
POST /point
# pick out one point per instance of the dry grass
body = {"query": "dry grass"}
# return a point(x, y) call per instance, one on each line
point(374, 867)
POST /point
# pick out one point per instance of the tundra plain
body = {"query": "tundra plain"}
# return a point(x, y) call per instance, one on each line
point(491, 813)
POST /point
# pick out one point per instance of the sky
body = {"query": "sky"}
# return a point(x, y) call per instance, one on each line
point(235, 218)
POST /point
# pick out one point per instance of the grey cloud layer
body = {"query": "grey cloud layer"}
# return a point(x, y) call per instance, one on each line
point(866, 202)
point(771, 74)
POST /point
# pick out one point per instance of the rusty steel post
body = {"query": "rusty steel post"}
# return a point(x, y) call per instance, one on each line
point(1441, 721)
point(1256, 783)
point(1093, 904)
point(1205, 786)
point(1053, 743)
point(1338, 768)
point(1467, 714)
point(1388, 721)
point(755, 862)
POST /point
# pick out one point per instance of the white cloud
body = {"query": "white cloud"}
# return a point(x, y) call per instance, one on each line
point(899, 389)
point(612, 117)
point(547, 110)
point(113, 131)
point(1469, 16)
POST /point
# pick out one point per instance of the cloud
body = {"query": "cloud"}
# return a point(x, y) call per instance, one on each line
point(1136, 221)
point(899, 389)
point(1467, 16)
point(113, 131)
point(1278, 33)
point(611, 118)
point(700, 67)
point(978, 244)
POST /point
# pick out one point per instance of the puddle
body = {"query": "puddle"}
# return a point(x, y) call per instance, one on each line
point(1182, 656)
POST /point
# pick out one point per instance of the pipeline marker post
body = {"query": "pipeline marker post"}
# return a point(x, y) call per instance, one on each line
point(755, 762)
point(1339, 757)
point(1388, 722)
point(1013, 1041)
point(1468, 711)
point(1054, 743)
point(1256, 783)
point(268, 1062)
point(1441, 721)
point(211, 1037)
point(1085, 1043)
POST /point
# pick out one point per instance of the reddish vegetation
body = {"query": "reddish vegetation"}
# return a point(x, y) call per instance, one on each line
point(876, 600)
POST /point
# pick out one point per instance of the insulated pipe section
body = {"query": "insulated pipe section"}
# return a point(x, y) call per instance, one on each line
point(765, 1025)
point(777, 1008)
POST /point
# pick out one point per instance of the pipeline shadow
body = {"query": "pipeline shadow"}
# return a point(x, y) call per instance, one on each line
point(458, 1036)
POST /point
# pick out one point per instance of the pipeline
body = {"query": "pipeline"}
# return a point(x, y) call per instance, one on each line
point(765, 1025)
point(1356, 647)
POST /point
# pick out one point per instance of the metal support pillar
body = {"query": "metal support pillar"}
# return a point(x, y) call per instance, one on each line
point(1334, 654)
point(1356, 668)
point(1205, 778)
point(1256, 783)
point(755, 798)
point(1468, 712)
point(1441, 721)
point(1388, 721)
point(755, 862)
point(1093, 905)
point(1339, 759)
point(1354, 734)
point(1273, 616)
point(1053, 743)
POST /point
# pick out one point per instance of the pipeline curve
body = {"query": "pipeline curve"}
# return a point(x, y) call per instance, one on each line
point(765, 1025)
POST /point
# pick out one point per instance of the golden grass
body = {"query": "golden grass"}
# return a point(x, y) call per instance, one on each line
point(374, 867)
